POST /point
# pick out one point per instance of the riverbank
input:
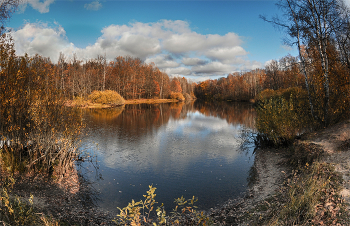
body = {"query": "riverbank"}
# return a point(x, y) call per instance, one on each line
point(322, 157)
point(306, 184)
point(88, 104)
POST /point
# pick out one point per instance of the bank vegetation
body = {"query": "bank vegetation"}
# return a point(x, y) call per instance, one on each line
point(294, 95)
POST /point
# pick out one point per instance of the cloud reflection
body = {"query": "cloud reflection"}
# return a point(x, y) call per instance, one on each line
point(173, 146)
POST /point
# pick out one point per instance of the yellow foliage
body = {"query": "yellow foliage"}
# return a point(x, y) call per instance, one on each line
point(106, 97)
point(282, 114)
point(177, 96)
point(134, 213)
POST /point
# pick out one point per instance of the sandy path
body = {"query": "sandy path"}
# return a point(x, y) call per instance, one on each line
point(335, 141)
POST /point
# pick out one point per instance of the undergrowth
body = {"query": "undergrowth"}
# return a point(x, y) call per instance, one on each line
point(15, 210)
point(308, 196)
point(144, 212)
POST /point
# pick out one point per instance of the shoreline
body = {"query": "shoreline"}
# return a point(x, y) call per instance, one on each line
point(88, 104)
point(331, 145)
point(271, 173)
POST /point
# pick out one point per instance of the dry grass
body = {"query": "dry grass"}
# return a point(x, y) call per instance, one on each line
point(88, 104)
point(177, 96)
point(150, 101)
point(106, 97)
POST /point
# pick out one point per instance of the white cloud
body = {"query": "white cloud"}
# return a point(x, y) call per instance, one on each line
point(226, 55)
point(193, 61)
point(192, 41)
point(179, 71)
point(215, 67)
point(43, 40)
point(268, 62)
point(95, 5)
point(165, 152)
point(347, 2)
point(251, 65)
point(163, 61)
point(41, 5)
point(171, 45)
point(287, 47)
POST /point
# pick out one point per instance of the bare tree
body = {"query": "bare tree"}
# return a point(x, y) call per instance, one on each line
point(7, 8)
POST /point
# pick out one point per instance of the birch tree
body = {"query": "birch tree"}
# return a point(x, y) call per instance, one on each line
point(314, 25)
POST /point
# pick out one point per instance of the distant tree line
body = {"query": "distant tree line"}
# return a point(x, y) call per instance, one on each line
point(130, 77)
point(321, 31)
point(244, 86)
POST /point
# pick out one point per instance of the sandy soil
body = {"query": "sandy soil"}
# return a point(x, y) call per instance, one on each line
point(271, 172)
point(335, 142)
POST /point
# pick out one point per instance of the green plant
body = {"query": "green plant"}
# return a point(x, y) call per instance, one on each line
point(131, 214)
point(188, 214)
point(139, 213)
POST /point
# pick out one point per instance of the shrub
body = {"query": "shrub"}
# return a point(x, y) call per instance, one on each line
point(177, 96)
point(281, 115)
point(265, 95)
point(145, 213)
point(79, 102)
point(106, 97)
point(15, 210)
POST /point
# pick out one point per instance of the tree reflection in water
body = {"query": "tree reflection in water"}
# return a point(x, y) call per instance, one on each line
point(181, 148)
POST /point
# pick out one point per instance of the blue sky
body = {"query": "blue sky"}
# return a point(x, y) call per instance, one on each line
point(196, 39)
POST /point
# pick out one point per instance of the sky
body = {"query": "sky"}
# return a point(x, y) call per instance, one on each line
point(197, 39)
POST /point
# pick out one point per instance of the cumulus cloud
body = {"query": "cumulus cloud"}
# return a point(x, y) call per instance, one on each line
point(95, 5)
point(41, 5)
point(215, 67)
point(179, 71)
point(192, 41)
point(170, 45)
point(43, 40)
point(163, 61)
point(210, 132)
point(193, 61)
point(226, 55)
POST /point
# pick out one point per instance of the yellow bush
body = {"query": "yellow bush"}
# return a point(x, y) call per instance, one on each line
point(106, 97)
point(265, 95)
point(282, 114)
point(177, 96)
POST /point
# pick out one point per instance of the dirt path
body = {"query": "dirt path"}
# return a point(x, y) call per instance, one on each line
point(270, 173)
point(335, 142)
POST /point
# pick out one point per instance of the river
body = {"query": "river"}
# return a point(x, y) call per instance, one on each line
point(194, 149)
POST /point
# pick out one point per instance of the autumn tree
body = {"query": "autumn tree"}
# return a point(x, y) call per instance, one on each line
point(175, 85)
point(35, 127)
point(313, 25)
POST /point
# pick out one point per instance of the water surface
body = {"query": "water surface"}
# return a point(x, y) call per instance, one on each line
point(181, 149)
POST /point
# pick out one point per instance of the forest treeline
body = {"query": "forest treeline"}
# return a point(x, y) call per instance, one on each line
point(320, 29)
point(246, 85)
point(128, 76)
point(72, 78)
